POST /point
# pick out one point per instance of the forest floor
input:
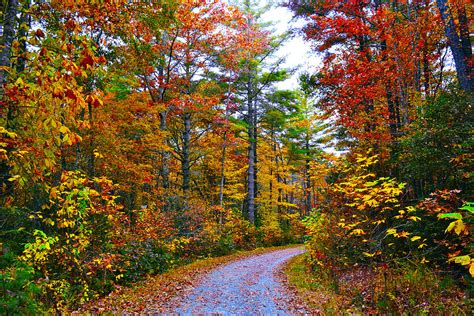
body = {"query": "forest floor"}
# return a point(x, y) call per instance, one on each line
point(246, 283)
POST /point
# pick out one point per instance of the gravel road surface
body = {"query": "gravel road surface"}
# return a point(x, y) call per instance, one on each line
point(244, 287)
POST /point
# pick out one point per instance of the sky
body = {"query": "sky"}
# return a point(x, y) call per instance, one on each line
point(298, 52)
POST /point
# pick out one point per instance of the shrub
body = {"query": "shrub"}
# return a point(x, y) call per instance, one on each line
point(18, 290)
point(73, 251)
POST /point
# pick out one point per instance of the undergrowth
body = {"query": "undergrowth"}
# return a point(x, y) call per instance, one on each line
point(409, 289)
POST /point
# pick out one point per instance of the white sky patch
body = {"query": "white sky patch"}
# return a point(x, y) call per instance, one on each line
point(298, 53)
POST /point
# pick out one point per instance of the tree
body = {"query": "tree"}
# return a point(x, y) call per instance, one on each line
point(363, 40)
point(459, 40)
point(306, 133)
point(256, 77)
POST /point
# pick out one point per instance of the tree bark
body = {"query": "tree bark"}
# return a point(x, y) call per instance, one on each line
point(251, 154)
point(24, 26)
point(224, 152)
point(272, 137)
point(185, 167)
point(307, 177)
point(460, 45)
point(91, 158)
point(222, 181)
point(165, 155)
point(9, 28)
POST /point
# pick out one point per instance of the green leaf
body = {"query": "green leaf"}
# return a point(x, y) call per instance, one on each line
point(450, 215)
point(469, 206)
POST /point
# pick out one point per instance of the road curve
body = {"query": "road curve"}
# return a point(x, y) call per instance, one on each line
point(244, 287)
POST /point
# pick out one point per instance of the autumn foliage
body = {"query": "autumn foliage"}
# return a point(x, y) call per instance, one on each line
point(398, 199)
point(112, 148)
point(139, 136)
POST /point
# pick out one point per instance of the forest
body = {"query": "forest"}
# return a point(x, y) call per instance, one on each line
point(140, 136)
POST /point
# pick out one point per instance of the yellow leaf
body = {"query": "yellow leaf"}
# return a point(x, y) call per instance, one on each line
point(63, 129)
point(391, 231)
point(415, 238)
point(471, 268)
point(14, 178)
point(357, 232)
point(463, 260)
point(450, 227)
point(66, 139)
point(457, 225)
point(368, 254)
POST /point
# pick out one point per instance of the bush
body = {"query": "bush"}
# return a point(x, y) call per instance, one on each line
point(73, 252)
point(360, 216)
point(242, 233)
point(139, 258)
point(18, 290)
point(270, 233)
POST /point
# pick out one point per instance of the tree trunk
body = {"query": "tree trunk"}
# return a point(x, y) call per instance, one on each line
point(224, 151)
point(251, 154)
point(307, 178)
point(91, 158)
point(392, 105)
point(185, 167)
point(222, 181)
point(165, 156)
point(9, 28)
point(271, 167)
point(460, 45)
point(24, 26)
point(255, 156)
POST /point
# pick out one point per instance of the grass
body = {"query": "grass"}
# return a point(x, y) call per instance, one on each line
point(316, 290)
point(151, 294)
point(408, 289)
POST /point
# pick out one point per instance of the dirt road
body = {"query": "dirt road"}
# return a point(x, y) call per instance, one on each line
point(244, 287)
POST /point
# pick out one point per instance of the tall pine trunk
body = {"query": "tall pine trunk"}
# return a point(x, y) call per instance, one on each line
point(251, 154)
